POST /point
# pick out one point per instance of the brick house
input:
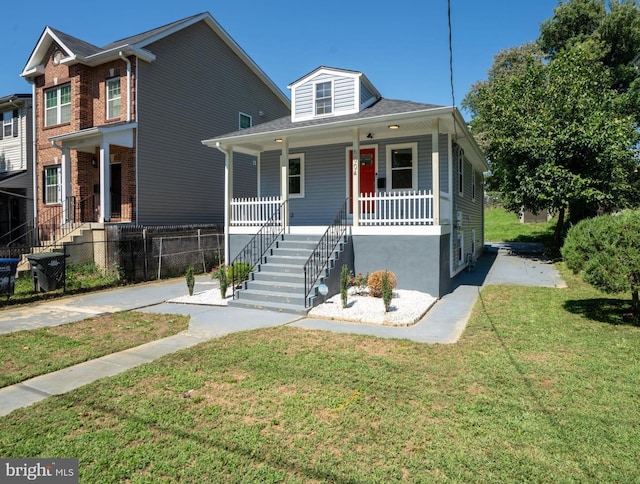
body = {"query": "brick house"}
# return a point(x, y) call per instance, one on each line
point(118, 127)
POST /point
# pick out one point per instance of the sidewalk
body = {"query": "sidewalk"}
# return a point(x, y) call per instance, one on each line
point(444, 323)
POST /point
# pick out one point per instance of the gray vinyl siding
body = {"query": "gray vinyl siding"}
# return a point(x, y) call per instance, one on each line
point(16, 154)
point(443, 144)
point(365, 94)
point(472, 209)
point(194, 90)
point(304, 100)
point(344, 89)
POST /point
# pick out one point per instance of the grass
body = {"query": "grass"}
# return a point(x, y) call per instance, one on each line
point(25, 354)
point(504, 226)
point(79, 278)
point(536, 390)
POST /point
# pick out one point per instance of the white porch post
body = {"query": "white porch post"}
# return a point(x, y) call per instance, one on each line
point(355, 176)
point(284, 180)
point(105, 183)
point(65, 169)
point(435, 170)
point(228, 196)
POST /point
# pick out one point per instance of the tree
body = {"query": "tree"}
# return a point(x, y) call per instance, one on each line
point(607, 250)
point(558, 119)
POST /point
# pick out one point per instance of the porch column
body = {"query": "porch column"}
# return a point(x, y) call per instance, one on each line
point(228, 196)
point(355, 176)
point(284, 180)
point(435, 170)
point(65, 185)
point(105, 183)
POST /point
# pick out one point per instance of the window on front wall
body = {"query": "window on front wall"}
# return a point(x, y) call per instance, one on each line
point(460, 155)
point(473, 186)
point(113, 98)
point(52, 184)
point(9, 124)
point(57, 105)
point(245, 121)
point(402, 166)
point(324, 100)
point(296, 176)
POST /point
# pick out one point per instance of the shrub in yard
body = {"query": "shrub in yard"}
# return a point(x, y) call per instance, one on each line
point(607, 251)
point(220, 273)
point(238, 272)
point(387, 291)
point(375, 282)
point(345, 277)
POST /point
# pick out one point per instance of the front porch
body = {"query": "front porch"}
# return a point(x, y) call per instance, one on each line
point(408, 208)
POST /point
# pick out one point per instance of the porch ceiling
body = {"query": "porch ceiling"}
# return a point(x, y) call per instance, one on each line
point(87, 140)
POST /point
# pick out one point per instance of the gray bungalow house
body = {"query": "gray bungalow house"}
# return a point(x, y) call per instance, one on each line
point(351, 177)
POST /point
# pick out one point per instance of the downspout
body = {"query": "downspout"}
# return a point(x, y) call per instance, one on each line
point(34, 153)
point(128, 62)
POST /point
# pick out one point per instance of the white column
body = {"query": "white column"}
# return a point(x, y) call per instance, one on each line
point(284, 181)
point(105, 183)
point(228, 196)
point(65, 184)
point(435, 170)
point(355, 177)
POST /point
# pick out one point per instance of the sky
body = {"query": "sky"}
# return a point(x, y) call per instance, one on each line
point(402, 46)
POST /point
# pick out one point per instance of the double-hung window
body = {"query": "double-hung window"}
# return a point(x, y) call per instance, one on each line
point(324, 98)
point(113, 98)
point(402, 166)
point(52, 184)
point(9, 124)
point(460, 173)
point(296, 176)
point(57, 105)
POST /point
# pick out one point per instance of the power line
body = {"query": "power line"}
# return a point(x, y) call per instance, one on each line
point(453, 95)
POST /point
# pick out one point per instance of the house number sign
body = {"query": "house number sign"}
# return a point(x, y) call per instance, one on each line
point(356, 161)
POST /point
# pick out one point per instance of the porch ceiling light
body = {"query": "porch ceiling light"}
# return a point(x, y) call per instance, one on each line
point(393, 126)
point(278, 140)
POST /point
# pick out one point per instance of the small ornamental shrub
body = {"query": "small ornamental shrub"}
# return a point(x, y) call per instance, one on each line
point(345, 277)
point(190, 277)
point(359, 282)
point(387, 291)
point(220, 273)
point(375, 282)
point(238, 272)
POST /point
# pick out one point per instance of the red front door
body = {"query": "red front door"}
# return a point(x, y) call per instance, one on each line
point(367, 176)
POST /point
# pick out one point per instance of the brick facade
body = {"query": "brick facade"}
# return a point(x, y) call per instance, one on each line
point(88, 110)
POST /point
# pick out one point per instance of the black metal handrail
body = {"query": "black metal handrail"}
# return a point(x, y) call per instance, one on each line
point(319, 259)
point(250, 255)
point(48, 224)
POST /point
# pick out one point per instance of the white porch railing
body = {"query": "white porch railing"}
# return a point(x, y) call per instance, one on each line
point(253, 211)
point(411, 207)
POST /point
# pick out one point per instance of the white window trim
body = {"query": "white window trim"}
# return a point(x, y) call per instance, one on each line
point(58, 107)
point(460, 181)
point(333, 98)
point(473, 186)
point(58, 185)
point(240, 115)
point(414, 167)
point(110, 100)
point(474, 243)
point(460, 248)
point(300, 156)
point(6, 123)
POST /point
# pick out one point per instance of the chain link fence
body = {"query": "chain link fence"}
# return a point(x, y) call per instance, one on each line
point(128, 254)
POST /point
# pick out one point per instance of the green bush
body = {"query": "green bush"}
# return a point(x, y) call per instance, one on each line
point(238, 272)
point(345, 277)
point(606, 250)
point(387, 291)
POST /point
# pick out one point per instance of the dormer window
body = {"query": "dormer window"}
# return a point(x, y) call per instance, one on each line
point(324, 98)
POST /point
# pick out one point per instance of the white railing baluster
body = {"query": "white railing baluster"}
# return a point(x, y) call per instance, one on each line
point(407, 207)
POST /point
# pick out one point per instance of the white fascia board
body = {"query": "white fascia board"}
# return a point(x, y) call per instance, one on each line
point(114, 54)
point(34, 64)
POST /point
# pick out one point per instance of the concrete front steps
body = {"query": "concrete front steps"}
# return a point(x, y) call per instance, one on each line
point(278, 282)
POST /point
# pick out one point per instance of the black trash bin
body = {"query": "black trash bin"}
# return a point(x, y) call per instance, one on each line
point(48, 269)
point(8, 268)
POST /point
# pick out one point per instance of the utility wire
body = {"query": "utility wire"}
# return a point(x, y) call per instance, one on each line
point(453, 96)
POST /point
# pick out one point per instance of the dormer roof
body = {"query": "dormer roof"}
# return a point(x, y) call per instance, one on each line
point(330, 92)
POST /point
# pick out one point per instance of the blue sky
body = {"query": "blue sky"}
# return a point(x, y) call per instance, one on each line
point(402, 46)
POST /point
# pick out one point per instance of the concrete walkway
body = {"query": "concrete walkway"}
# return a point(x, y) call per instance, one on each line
point(444, 323)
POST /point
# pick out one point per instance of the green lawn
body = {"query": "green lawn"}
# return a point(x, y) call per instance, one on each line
point(25, 354)
point(503, 226)
point(542, 387)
